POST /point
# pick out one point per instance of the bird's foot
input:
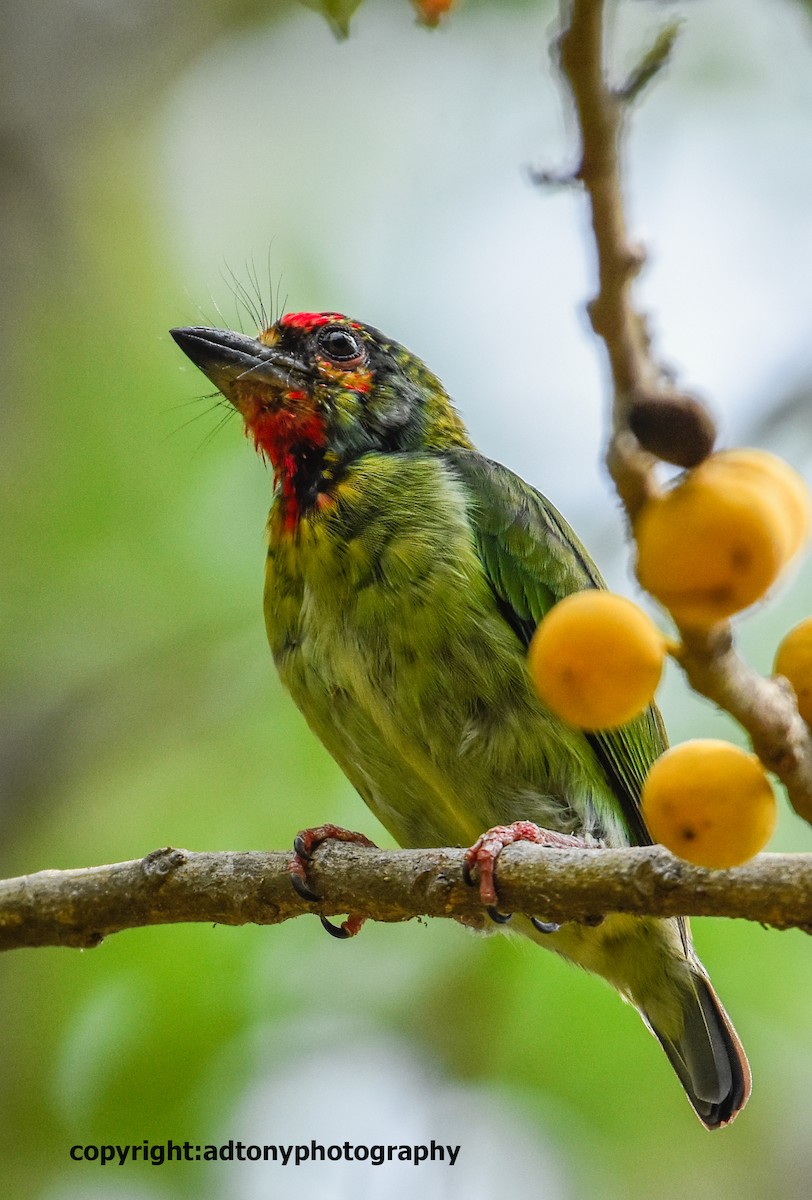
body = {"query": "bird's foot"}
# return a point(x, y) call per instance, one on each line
point(483, 854)
point(306, 842)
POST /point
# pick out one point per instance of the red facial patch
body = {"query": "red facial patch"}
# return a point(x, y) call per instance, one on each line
point(309, 320)
point(278, 433)
point(283, 435)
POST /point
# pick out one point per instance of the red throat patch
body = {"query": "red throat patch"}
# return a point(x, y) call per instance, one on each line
point(284, 436)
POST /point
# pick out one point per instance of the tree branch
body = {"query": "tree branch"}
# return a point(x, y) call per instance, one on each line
point(78, 908)
point(651, 419)
point(765, 708)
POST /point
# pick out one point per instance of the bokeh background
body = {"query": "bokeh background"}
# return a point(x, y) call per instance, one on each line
point(157, 156)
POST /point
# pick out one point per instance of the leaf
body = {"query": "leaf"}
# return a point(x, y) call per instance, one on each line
point(337, 13)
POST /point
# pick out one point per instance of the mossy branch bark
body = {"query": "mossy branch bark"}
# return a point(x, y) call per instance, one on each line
point(79, 908)
point(651, 419)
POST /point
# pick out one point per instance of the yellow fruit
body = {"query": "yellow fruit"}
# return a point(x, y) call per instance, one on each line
point(793, 660)
point(717, 541)
point(709, 802)
point(596, 659)
point(769, 472)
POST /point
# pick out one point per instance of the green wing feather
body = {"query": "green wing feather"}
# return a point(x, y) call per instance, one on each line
point(533, 559)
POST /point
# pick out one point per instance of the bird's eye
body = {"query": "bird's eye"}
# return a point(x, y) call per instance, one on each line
point(341, 345)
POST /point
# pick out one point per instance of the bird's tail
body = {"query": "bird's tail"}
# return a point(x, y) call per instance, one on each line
point(707, 1056)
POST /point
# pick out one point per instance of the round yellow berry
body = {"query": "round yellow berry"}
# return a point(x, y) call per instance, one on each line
point(596, 659)
point(709, 802)
point(793, 660)
point(714, 544)
point(771, 474)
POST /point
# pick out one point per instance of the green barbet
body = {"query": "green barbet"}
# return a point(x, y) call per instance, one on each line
point(406, 574)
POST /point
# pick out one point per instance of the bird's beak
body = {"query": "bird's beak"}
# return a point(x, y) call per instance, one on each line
point(232, 359)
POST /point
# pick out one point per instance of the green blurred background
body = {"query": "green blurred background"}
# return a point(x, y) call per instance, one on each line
point(150, 150)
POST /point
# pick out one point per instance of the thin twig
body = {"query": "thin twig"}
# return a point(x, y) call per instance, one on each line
point(765, 708)
point(650, 65)
point(599, 112)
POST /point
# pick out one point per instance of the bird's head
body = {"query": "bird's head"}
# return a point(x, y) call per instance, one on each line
point(318, 390)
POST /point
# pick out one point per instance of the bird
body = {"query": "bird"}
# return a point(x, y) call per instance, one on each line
point(405, 576)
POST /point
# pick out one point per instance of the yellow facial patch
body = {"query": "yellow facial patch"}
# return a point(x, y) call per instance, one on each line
point(357, 379)
point(269, 336)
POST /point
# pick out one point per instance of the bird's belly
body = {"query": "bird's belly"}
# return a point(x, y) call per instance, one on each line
point(393, 647)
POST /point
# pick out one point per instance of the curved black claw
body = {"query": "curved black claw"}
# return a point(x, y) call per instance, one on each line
point(467, 877)
point(544, 926)
point(307, 893)
point(336, 931)
point(300, 846)
point(499, 917)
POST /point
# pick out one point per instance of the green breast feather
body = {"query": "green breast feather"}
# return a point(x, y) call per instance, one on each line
point(400, 619)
